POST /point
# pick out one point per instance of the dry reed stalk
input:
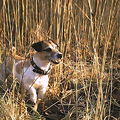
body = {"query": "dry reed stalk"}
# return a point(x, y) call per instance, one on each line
point(96, 67)
point(79, 27)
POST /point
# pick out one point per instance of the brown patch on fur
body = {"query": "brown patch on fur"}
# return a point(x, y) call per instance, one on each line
point(27, 64)
point(21, 65)
point(10, 65)
point(45, 44)
point(9, 61)
point(36, 86)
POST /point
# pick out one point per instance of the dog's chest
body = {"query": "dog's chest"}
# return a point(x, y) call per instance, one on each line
point(40, 81)
point(32, 78)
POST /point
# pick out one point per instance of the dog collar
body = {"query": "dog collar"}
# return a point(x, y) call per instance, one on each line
point(38, 70)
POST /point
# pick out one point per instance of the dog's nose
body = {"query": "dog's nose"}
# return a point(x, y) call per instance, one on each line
point(59, 55)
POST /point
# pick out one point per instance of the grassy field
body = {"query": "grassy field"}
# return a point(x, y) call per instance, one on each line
point(85, 86)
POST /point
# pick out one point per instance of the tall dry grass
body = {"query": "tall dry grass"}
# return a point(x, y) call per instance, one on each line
point(88, 35)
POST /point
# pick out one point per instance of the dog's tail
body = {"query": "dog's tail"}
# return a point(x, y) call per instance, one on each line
point(13, 54)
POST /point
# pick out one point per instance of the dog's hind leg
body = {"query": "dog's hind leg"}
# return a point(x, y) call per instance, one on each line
point(4, 71)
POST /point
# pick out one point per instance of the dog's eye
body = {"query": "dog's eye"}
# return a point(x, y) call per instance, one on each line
point(48, 50)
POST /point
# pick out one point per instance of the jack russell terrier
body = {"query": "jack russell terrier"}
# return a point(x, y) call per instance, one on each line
point(34, 73)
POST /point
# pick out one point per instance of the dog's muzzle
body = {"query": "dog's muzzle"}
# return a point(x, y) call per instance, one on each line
point(57, 60)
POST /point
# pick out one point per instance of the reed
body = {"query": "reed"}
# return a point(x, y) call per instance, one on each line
point(88, 35)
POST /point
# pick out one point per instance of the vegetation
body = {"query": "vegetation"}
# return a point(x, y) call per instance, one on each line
point(86, 83)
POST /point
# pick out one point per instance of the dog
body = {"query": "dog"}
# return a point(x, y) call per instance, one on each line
point(34, 73)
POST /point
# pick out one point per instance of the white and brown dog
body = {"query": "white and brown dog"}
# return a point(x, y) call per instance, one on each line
point(34, 72)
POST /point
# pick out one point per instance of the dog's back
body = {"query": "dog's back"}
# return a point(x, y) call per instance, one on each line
point(7, 66)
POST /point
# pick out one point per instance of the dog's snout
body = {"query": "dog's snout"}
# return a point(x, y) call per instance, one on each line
point(59, 55)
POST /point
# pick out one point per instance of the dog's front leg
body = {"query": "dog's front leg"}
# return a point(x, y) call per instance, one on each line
point(36, 104)
point(40, 95)
point(33, 94)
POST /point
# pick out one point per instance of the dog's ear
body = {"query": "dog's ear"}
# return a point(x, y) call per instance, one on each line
point(37, 46)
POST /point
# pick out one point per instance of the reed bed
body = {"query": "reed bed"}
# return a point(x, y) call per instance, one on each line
point(87, 32)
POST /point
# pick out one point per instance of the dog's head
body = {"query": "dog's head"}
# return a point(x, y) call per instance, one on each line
point(48, 50)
